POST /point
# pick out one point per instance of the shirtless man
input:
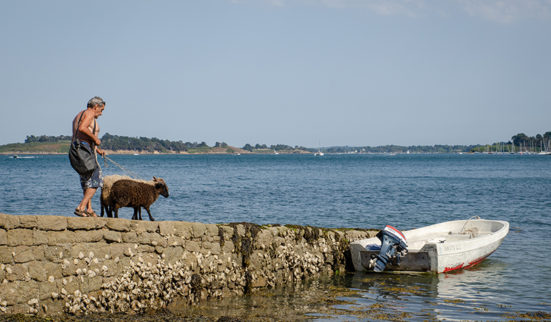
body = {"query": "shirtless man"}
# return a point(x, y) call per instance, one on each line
point(87, 133)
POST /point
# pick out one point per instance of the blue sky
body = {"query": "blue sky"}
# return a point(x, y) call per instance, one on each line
point(301, 72)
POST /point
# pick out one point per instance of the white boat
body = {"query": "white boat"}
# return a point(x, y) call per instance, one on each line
point(438, 248)
point(25, 157)
point(319, 153)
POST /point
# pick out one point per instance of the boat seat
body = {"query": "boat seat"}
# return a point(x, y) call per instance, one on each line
point(461, 236)
point(473, 232)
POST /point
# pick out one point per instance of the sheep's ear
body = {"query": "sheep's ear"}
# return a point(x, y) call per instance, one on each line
point(154, 179)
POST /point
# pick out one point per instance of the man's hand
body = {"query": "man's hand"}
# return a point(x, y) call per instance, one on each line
point(98, 142)
point(100, 151)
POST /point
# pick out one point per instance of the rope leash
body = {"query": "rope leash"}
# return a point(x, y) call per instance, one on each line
point(132, 174)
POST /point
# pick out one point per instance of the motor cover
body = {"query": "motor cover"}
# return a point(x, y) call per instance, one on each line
point(393, 244)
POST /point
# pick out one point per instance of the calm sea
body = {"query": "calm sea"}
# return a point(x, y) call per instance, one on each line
point(365, 191)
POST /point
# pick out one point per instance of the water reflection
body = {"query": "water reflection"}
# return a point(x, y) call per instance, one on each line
point(360, 297)
point(483, 292)
point(319, 299)
point(467, 294)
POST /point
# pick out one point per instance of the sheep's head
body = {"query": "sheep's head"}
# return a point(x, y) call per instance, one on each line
point(160, 185)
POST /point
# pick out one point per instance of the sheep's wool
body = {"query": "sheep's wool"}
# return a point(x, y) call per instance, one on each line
point(108, 182)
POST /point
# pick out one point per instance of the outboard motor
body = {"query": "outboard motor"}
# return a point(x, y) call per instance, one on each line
point(393, 244)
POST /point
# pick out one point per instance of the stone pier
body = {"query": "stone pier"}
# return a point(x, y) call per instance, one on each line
point(55, 265)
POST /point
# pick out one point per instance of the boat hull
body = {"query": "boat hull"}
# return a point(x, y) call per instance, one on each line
point(439, 248)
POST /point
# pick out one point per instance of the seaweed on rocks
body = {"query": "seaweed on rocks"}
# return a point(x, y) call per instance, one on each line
point(244, 245)
point(195, 284)
point(221, 235)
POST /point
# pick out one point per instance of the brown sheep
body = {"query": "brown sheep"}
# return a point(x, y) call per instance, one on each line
point(105, 197)
point(136, 194)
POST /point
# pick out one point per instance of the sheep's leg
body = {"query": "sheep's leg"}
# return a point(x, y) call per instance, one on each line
point(116, 211)
point(135, 215)
point(108, 210)
point(149, 213)
point(140, 212)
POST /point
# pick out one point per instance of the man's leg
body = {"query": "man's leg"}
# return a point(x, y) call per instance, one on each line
point(90, 210)
point(87, 199)
point(90, 185)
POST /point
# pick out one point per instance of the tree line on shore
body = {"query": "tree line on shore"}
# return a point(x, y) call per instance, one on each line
point(144, 144)
point(115, 142)
point(46, 138)
point(518, 143)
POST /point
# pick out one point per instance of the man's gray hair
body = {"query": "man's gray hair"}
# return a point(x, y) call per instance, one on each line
point(96, 100)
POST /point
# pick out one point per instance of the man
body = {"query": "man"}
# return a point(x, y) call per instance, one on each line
point(86, 129)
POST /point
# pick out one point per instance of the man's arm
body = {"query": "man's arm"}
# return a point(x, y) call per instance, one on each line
point(85, 124)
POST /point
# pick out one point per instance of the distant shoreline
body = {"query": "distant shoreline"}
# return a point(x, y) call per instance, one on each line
point(63, 148)
point(127, 152)
point(124, 145)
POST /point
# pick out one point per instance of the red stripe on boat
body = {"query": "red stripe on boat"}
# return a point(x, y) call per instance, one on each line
point(449, 269)
point(471, 264)
point(477, 261)
point(396, 230)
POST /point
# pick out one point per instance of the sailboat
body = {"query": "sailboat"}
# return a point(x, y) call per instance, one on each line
point(319, 153)
point(545, 149)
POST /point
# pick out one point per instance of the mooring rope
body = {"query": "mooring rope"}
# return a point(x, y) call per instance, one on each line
point(132, 174)
point(466, 222)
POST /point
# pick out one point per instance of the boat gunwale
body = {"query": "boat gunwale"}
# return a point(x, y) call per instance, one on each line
point(483, 235)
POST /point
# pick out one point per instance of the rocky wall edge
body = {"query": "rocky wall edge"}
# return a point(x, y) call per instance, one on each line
point(55, 264)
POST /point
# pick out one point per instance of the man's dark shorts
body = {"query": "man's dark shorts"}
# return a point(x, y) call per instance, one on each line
point(93, 181)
